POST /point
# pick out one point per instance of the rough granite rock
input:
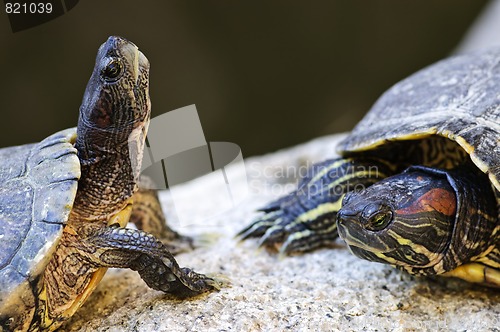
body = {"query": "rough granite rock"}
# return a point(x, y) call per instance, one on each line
point(327, 290)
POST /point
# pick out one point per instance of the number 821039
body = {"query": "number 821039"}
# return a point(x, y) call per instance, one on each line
point(28, 8)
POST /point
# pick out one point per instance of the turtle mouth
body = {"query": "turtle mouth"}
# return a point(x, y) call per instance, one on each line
point(138, 61)
point(405, 254)
point(350, 239)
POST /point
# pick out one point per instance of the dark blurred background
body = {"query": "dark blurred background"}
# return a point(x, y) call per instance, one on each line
point(264, 75)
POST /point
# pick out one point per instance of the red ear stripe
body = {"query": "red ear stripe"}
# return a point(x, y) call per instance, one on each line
point(436, 199)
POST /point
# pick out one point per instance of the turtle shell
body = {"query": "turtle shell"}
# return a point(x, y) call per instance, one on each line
point(38, 183)
point(457, 98)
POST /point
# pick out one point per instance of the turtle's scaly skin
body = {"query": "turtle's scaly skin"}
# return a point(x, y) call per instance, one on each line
point(447, 117)
point(67, 240)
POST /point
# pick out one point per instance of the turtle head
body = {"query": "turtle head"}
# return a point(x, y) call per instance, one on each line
point(116, 105)
point(405, 220)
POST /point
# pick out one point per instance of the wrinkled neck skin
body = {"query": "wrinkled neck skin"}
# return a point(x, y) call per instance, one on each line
point(108, 176)
point(111, 130)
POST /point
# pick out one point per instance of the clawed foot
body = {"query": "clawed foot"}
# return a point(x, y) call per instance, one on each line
point(288, 227)
point(306, 219)
point(193, 283)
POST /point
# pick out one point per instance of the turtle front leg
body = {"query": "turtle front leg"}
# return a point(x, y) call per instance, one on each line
point(142, 252)
point(306, 219)
point(84, 253)
point(148, 216)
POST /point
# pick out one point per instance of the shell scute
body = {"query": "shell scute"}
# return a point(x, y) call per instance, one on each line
point(38, 184)
point(456, 98)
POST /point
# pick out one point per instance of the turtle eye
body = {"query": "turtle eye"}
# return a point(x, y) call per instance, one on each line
point(379, 220)
point(112, 71)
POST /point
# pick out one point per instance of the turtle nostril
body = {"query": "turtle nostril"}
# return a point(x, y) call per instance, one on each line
point(342, 217)
point(344, 214)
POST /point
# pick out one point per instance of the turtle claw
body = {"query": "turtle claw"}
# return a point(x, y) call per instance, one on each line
point(287, 229)
point(273, 227)
point(218, 281)
point(300, 221)
point(272, 236)
point(260, 225)
point(308, 240)
point(296, 243)
point(255, 229)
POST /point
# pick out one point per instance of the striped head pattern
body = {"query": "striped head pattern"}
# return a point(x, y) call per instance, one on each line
point(406, 220)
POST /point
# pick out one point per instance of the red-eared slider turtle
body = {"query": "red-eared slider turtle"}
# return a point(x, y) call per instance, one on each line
point(64, 203)
point(417, 184)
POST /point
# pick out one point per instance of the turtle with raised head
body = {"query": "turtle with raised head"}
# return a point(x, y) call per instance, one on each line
point(64, 203)
point(417, 184)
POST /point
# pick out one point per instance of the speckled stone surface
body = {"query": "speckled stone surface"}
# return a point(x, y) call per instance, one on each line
point(327, 290)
